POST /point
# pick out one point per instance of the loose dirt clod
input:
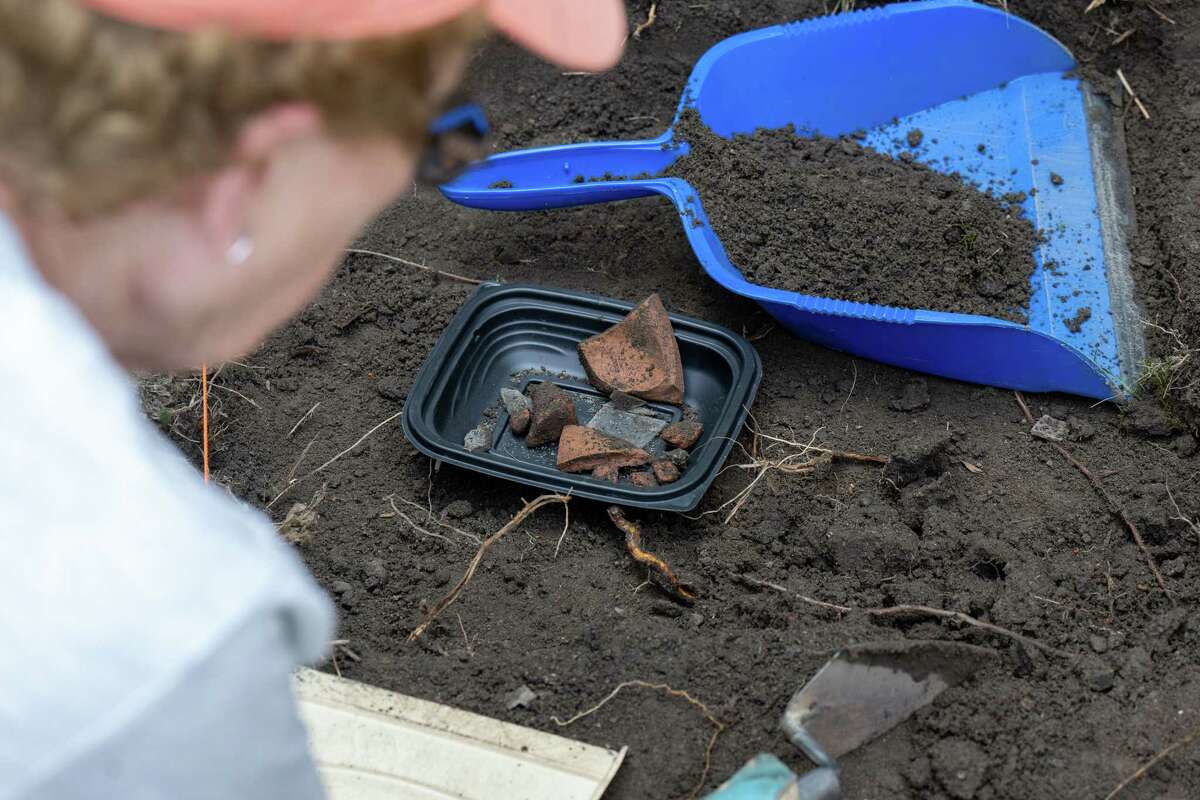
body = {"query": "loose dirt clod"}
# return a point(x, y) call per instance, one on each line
point(582, 450)
point(683, 434)
point(638, 355)
point(551, 410)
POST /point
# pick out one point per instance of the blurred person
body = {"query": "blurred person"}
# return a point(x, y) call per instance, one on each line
point(178, 178)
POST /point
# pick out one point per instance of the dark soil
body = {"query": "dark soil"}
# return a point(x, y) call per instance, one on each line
point(974, 515)
point(831, 218)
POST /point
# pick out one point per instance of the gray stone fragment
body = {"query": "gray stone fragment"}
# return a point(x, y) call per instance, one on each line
point(520, 697)
point(514, 401)
point(626, 402)
point(479, 440)
point(636, 429)
point(1050, 429)
point(678, 457)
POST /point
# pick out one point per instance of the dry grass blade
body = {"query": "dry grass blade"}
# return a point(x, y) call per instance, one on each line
point(453, 594)
point(1113, 507)
point(452, 276)
point(303, 420)
point(718, 726)
point(1092, 6)
point(1144, 768)
point(352, 447)
point(1132, 94)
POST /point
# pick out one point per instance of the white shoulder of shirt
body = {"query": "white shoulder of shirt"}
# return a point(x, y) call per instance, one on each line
point(119, 568)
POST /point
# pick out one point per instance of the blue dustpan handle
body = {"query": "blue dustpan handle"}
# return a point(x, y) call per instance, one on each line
point(565, 175)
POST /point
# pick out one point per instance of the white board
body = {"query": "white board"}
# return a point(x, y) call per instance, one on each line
point(371, 744)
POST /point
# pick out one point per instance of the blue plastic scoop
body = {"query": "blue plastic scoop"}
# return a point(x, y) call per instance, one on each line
point(965, 74)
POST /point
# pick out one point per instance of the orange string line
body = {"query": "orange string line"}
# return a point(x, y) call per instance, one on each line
point(204, 416)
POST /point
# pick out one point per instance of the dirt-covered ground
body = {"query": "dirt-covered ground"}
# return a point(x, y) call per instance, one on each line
point(994, 523)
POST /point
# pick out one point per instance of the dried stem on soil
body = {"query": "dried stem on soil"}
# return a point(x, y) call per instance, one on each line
point(1132, 94)
point(1144, 768)
point(909, 610)
point(718, 726)
point(1113, 507)
point(444, 603)
point(452, 276)
point(633, 543)
point(303, 420)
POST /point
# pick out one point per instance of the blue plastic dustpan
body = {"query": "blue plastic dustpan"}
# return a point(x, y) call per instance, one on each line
point(965, 74)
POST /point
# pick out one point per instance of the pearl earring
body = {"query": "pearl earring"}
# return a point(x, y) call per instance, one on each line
point(240, 251)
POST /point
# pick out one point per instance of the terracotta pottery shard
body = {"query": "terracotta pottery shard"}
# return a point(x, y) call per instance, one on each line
point(552, 410)
point(665, 470)
point(638, 355)
point(606, 472)
point(582, 449)
point(682, 434)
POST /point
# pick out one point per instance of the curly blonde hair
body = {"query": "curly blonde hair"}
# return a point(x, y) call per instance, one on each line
point(96, 113)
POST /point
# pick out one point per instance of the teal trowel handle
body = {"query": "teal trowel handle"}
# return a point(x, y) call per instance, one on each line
point(765, 777)
point(567, 175)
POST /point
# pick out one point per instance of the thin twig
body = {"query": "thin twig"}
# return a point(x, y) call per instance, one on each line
point(303, 420)
point(415, 265)
point(1141, 771)
point(718, 726)
point(1113, 507)
point(1132, 94)
point(515, 522)
point(637, 32)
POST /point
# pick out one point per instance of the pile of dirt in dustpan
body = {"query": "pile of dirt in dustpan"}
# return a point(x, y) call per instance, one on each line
point(634, 362)
point(905, 236)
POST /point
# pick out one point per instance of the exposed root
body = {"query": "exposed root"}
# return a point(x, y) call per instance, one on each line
point(718, 726)
point(650, 17)
point(1113, 507)
point(1141, 771)
point(907, 610)
point(429, 517)
point(665, 578)
point(805, 458)
point(444, 603)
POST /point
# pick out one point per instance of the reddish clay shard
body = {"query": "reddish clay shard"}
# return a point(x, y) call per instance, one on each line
point(645, 480)
point(682, 434)
point(665, 470)
point(552, 410)
point(519, 422)
point(638, 355)
point(606, 472)
point(583, 449)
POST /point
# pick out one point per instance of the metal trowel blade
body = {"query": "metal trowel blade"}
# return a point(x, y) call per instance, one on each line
point(866, 690)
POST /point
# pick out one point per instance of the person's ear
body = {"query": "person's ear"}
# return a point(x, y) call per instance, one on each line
point(228, 195)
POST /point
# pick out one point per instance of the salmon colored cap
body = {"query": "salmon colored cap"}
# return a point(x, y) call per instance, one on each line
point(579, 34)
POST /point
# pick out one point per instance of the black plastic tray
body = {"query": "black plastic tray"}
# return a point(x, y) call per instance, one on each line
point(515, 335)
